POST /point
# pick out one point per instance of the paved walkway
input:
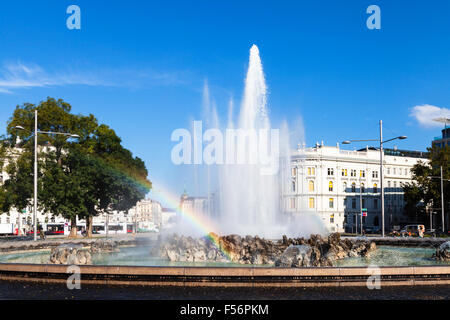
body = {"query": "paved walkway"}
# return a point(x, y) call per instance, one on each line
point(29, 290)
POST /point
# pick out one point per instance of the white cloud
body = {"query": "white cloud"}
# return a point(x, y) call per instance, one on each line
point(425, 115)
point(15, 76)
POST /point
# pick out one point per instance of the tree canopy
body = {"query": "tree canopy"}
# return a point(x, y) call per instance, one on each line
point(80, 177)
point(423, 194)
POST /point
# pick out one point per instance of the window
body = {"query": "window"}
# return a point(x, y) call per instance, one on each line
point(362, 173)
point(363, 189)
point(344, 172)
point(375, 203)
point(375, 188)
point(388, 170)
point(353, 187)
point(395, 170)
point(311, 171)
point(389, 184)
point(332, 218)
point(293, 206)
point(330, 171)
point(311, 185)
point(395, 184)
point(353, 203)
point(374, 174)
point(330, 186)
point(344, 186)
point(293, 186)
point(331, 202)
point(311, 203)
point(294, 172)
point(406, 172)
point(363, 203)
point(353, 173)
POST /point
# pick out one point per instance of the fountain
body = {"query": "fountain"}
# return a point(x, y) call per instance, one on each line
point(249, 187)
point(246, 231)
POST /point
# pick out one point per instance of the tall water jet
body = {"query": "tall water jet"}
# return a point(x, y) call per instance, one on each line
point(250, 188)
point(249, 199)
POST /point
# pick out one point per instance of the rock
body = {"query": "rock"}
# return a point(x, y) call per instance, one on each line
point(295, 256)
point(300, 252)
point(104, 245)
point(70, 254)
point(172, 255)
point(443, 252)
point(199, 256)
point(285, 240)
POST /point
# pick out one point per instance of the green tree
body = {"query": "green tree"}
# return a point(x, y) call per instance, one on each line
point(425, 189)
point(76, 178)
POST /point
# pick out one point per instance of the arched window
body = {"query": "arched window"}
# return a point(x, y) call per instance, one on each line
point(330, 186)
point(311, 185)
point(353, 187)
point(375, 188)
point(311, 203)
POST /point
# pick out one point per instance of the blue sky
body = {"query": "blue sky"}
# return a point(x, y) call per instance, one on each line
point(140, 66)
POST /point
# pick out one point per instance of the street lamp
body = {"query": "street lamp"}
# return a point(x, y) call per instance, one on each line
point(441, 177)
point(35, 133)
point(381, 165)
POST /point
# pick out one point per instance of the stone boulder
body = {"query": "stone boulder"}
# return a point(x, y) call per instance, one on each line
point(70, 254)
point(313, 252)
point(295, 256)
point(104, 245)
point(443, 252)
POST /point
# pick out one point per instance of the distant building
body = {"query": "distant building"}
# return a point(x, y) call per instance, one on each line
point(146, 214)
point(443, 140)
point(335, 183)
point(146, 211)
point(197, 206)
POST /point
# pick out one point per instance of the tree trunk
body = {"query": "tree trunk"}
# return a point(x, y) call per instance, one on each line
point(89, 222)
point(73, 227)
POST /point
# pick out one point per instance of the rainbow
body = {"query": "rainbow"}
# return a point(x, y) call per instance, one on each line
point(203, 224)
point(168, 200)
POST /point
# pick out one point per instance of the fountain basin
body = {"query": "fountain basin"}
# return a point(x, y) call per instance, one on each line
point(139, 256)
point(228, 277)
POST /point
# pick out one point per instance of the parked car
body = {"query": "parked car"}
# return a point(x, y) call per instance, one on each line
point(413, 230)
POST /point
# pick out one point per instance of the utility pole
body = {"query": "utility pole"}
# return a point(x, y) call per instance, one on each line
point(381, 178)
point(35, 171)
point(360, 204)
point(442, 200)
point(381, 165)
point(35, 133)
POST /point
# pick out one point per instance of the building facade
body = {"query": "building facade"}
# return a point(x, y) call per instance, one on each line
point(196, 206)
point(443, 140)
point(336, 184)
point(146, 212)
point(146, 215)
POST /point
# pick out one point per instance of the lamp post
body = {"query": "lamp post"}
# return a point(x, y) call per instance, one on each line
point(441, 177)
point(35, 133)
point(380, 140)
